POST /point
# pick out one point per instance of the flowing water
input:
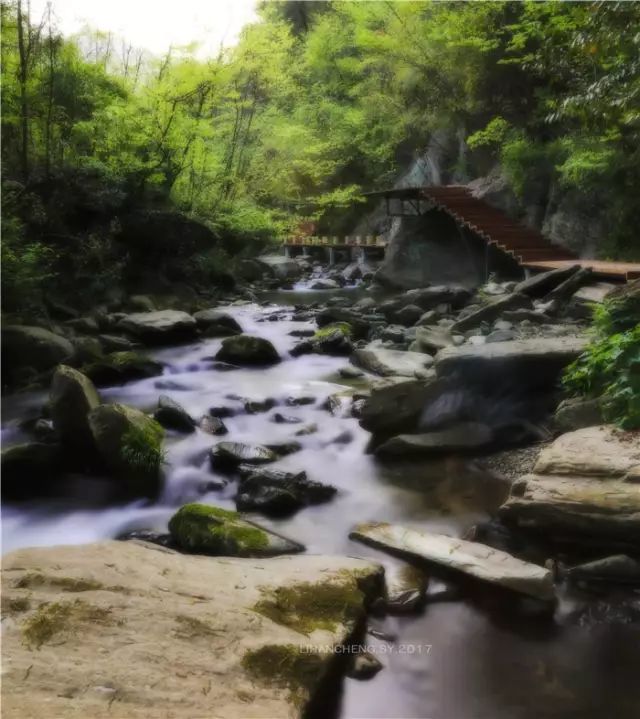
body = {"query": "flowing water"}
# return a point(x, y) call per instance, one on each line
point(458, 660)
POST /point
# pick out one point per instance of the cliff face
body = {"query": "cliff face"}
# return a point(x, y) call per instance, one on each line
point(421, 250)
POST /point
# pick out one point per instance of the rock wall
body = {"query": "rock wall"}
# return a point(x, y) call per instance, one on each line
point(421, 249)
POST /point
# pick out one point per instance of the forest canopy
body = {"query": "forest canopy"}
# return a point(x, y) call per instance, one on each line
point(316, 102)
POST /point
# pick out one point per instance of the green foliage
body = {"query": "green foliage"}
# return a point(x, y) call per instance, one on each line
point(311, 106)
point(142, 449)
point(493, 134)
point(610, 368)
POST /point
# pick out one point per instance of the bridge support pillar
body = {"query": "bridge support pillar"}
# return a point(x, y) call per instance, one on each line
point(332, 256)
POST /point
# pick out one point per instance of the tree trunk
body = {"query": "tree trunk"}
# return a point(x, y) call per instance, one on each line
point(22, 79)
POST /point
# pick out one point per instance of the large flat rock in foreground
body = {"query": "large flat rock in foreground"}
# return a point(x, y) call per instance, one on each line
point(477, 560)
point(601, 451)
point(532, 364)
point(584, 484)
point(599, 510)
point(127, 629)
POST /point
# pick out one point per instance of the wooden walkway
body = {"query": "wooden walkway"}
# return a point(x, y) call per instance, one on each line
point(530, 248)
point(336, 242)
point(601, 268)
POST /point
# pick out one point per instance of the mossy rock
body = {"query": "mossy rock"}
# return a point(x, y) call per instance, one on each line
point(33, 347)
point(288, 666)
point(342, 327)
point(203, 529)
point(306, 607)
point(130, 444)
point(120, 367)
point(247, 350)
point(72, 397)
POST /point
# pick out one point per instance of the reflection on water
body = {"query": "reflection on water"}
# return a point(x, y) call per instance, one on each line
point(464, 660)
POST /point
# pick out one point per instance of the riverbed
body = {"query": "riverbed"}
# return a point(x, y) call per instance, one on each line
point(472, 659)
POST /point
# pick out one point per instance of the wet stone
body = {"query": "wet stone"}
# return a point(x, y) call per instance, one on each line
point(213, 425)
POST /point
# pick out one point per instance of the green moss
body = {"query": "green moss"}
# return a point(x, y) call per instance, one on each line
point(286, 666)
point(202, 528)
point(192, 628)
point(308, 606)
point(343, 327)
point(67, 584)
point(15, 605)
point(58, 617)
point(141, 448)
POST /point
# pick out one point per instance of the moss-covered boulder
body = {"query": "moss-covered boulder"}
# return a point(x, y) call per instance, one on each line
point(216, 323)
point(33, 347)
point(160, 327)
point(203, 529)
point(248, 350)
point(130, 444)
point(120, 367)
point(71, 398)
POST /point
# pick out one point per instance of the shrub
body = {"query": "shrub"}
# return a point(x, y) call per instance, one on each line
point(610, 367)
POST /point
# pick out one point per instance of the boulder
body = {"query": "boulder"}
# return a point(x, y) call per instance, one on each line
point(397, 407)
point(158, 328)
point(432, 339)
point(583, 488)
point(121, 367)
point(325, 284)
point(527, 365)
point(492, 311)
point(333, 340)
point(461, 437)
point(476, 560)
point(203, 529)
point(278, 494)
point(331, 315)
point(586, 510)
point(84, 325)
point(228, 456)
point(576, 413)
point(177, 611)
point(391, 363)
point(172, 415)
point(130, 445)
point(35, 347)
point(279, 266)
point(539, 285)
point(618, 569)
point(430, 317)
point(220, 323)
point(408, 315)
point(29, 470)
point(114, 343)
point(71, 398)
point(563, 292)
point(141, 303)
point(213, 425)
point(247, 350)
point(603, 451)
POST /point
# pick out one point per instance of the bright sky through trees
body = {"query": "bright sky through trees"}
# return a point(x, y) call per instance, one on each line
point(156, 24)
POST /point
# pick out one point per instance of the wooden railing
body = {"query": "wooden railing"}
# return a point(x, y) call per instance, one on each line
point(329, 241)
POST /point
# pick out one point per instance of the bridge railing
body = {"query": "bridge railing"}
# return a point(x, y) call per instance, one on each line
point(335, 241)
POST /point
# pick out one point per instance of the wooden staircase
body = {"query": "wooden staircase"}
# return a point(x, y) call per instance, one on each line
point(523, 243)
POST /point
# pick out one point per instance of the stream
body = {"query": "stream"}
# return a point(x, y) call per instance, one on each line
point(471, 659)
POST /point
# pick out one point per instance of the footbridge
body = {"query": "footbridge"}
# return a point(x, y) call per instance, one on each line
point(528, 247)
